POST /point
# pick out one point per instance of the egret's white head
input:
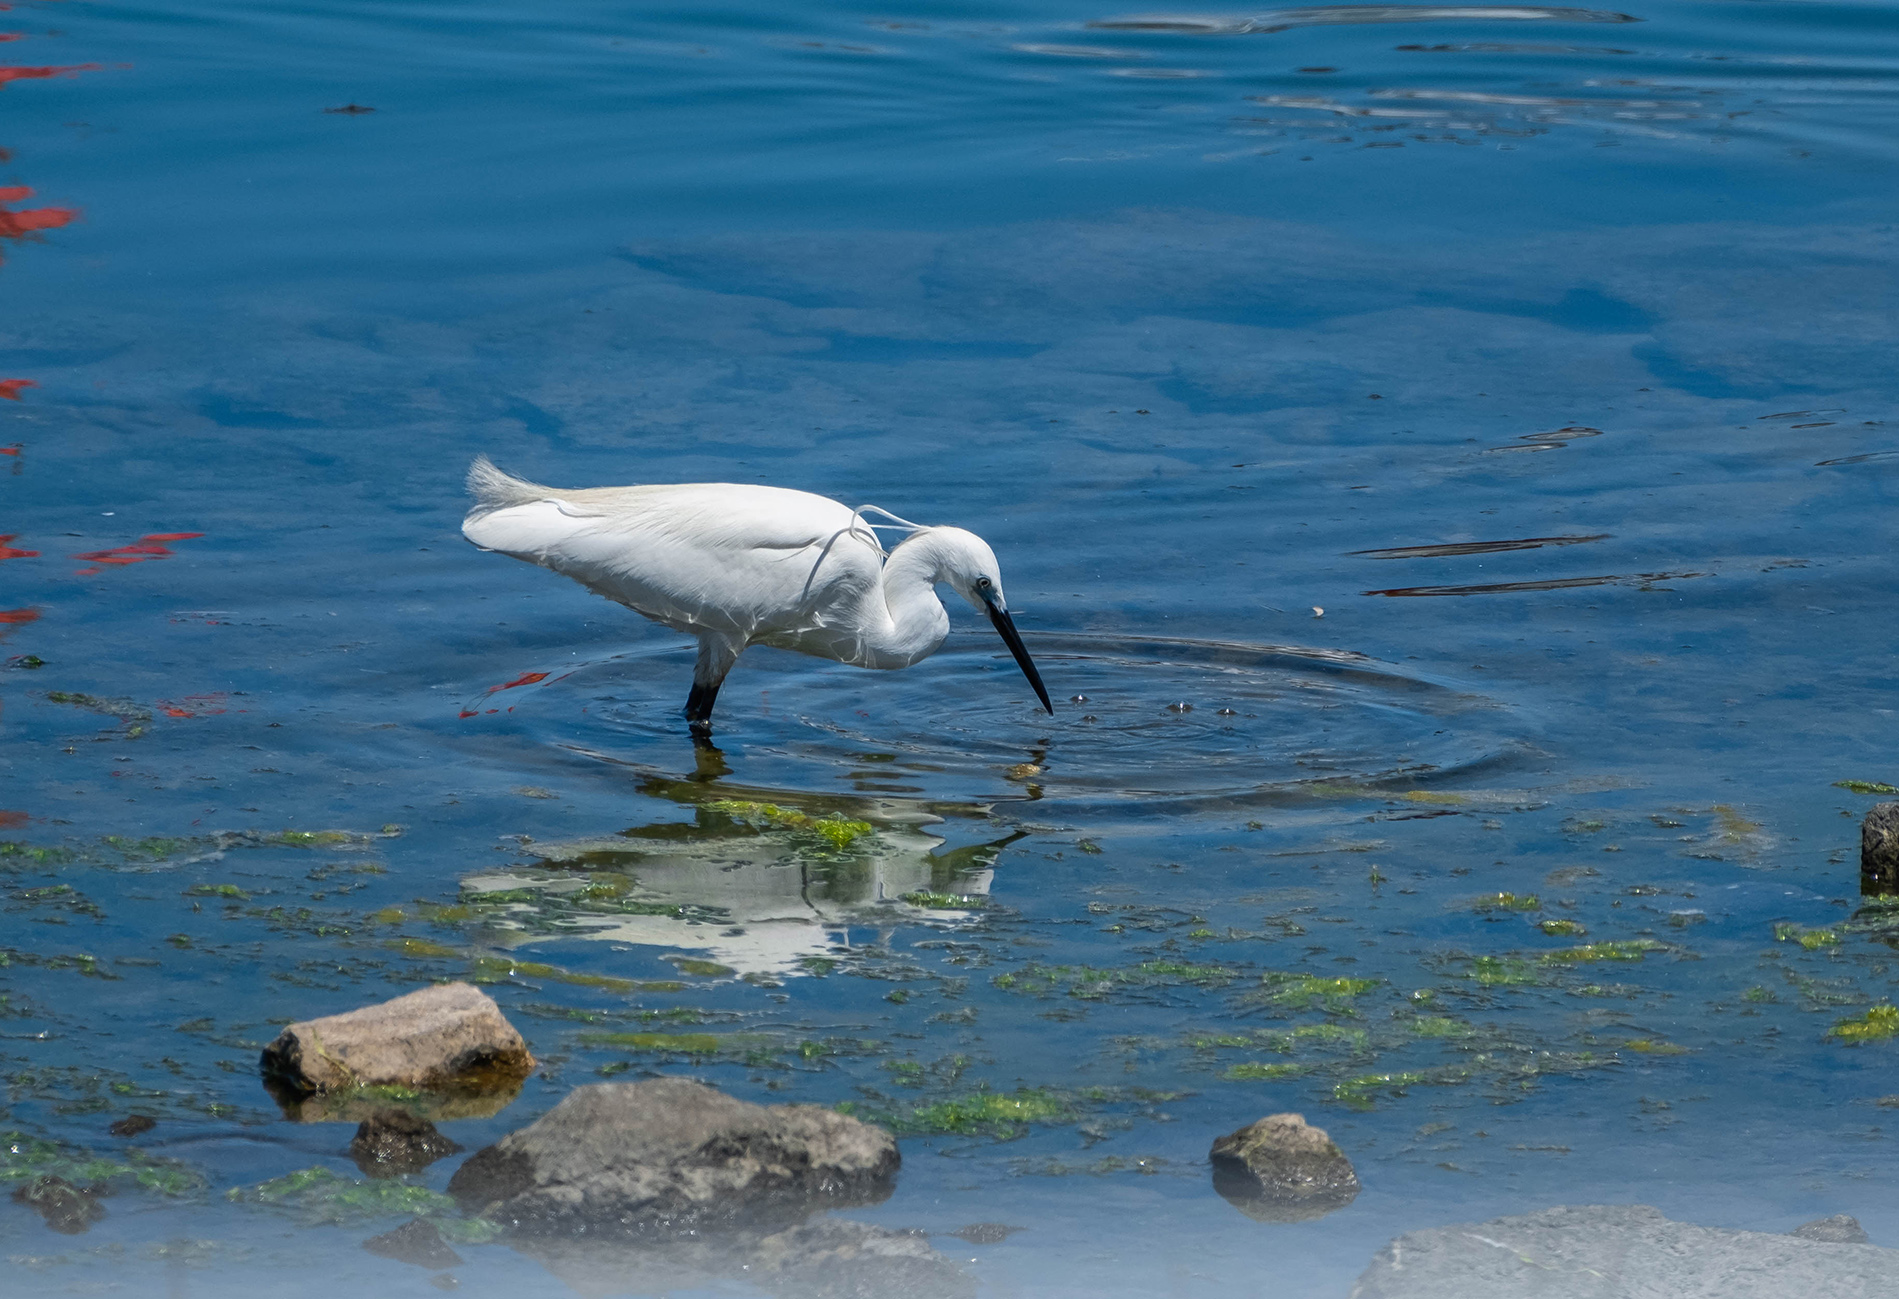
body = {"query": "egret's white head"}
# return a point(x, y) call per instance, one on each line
point(966, 564)
point(964, 561)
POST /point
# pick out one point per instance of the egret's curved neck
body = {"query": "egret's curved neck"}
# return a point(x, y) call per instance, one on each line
point(916, 622)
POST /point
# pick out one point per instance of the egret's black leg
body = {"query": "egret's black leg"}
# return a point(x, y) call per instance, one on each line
point(717, 654)
point(699, 707)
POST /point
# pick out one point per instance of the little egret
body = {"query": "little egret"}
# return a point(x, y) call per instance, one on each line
point(739, 565)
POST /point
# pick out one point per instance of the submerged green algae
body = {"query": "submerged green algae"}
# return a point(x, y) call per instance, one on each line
point(1877, 1024)
point(319, 1196)
point(24, 1158)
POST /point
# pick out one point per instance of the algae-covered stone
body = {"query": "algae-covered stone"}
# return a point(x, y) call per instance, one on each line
point(1620, 1252)
point(451, 1036)
point(670, 1154)
point(1879, 850)
point(392, 1142)
point(1282, 1169)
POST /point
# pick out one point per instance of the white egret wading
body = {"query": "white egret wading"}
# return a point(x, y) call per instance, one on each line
point(738, 565)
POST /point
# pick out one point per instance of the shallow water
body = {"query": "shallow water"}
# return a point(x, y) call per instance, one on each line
point(1321, 376)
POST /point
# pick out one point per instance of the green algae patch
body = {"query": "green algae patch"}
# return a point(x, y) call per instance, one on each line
point(701, 969)
point(1649, 1046)
point(671, 1043)
point(1633, 949)
point(26, 1158)
point(230, 891)
point(1812, 940)
point(1877, 1024)
point(135, 718)
point(1735, 828)
point(1365, 1088)
point(1090, 982)
point(997, 1114)
point(315, 838)
point(1866, 786)
point(1507, 902)
point(318, 1195)
point(421, 949)
point(1314, 991)
point(946, 901)
point(1256, 1072)
point(1434, 798)
point(1440, 1026)
point(1502, 972)
point(495, 969)
point(835, 832)
point(1561, 928)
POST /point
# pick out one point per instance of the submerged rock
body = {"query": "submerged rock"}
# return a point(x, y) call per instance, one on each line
point(1282, 1169)
point(68, 1209)
point(1620, 1252)
point(670, 1154)
point(831, 1258)
point(1840, 1229)
point(391, 1142)
point(1879, 850)
point(451, 1036)
point(986, 1233)
point(133, 1125)
point(417, 1241)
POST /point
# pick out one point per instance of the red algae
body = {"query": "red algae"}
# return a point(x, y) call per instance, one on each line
point(8, 552)
point(12, 820)
point(31, 74)
point(143, 550)
point(10, 388)
point(525, 679)
point(17, 616)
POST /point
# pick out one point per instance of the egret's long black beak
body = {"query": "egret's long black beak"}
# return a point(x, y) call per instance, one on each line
point(1005, 628)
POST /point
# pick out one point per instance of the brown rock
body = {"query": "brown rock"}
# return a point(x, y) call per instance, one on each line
point(671, 1155)
point(449, 1036)
point(1879, 850)
point(1282, 1169)
point(391, 1142)
point(133, 1125)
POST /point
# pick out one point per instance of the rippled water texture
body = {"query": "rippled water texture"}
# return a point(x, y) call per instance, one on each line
point(1439, 456)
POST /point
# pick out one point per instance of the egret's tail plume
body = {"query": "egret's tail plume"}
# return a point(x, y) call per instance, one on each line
point(494, 490)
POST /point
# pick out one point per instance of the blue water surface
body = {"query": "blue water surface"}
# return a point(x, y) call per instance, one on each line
point(1246, 339)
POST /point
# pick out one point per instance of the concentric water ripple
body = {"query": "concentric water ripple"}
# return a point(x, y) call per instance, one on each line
point(1139, 720)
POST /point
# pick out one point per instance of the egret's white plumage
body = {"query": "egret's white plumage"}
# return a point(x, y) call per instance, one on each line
point(738, 565)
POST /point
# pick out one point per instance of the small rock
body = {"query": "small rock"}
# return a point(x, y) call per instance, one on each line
point(445, 1281)
point(417, 1241)
point(1282, 1169)
point(449, 1036)
point(391, 1142)
point(1879, 850)
point(986, 1233)
point(673, 1154)
point(66, 1208)
point(1840, 1229)
point(133, 1125)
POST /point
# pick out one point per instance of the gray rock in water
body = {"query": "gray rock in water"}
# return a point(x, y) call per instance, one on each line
point(417, 1241)
point(68, 1209)
point(1840, 1229)
point(1879, 850)
point(1620, 1252)
point(831, 1258)
point(670, 1154)
point(390, 1143)
point(448, 1036)
point(1282, 1169)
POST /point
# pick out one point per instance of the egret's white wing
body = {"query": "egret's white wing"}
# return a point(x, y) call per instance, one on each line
point(732, 558)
